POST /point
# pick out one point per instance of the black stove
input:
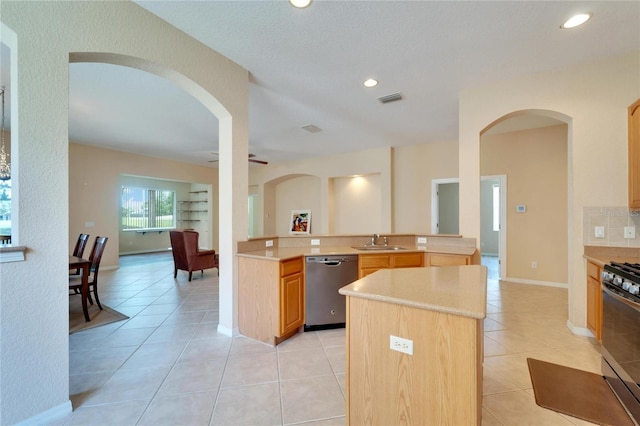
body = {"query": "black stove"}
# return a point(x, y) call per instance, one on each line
point(621, 333)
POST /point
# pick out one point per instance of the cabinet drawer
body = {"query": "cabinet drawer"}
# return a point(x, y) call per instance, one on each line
point(291, 266)
point(374, 261)
point(408, 260)
point(593, 270)
point(437, 259)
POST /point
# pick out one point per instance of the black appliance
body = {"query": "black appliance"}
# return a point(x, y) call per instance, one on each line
point(621, 333)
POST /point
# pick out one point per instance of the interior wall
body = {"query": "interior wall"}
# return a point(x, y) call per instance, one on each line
point(35, 348)
point(536, 163)
point(298, 193)
point(357, 205)
point(94, 195)
point(414, 168)
point(448, 208)
point(375, 161)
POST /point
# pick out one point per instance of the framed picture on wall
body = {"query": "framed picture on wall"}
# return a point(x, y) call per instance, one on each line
point(300, 222)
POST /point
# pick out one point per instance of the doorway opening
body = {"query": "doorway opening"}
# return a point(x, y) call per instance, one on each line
point(493, 201)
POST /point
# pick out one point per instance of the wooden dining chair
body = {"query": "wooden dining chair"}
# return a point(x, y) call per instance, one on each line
point(78, 251)
point(75, 282)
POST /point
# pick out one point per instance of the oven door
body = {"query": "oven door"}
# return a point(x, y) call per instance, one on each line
point(621, 347)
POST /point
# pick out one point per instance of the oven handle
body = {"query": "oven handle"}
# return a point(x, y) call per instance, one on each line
point(621, 299)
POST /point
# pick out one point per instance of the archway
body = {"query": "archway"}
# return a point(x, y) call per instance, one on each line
point(532, 148)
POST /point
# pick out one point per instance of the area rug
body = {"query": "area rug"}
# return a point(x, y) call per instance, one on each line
point(576, 393)
point(98, 317)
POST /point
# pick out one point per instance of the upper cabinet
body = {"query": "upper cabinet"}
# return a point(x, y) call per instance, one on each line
point(634, 155)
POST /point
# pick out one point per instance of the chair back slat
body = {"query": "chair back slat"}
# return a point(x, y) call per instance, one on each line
point(78, 251)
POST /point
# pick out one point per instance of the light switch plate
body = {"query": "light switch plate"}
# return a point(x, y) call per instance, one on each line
point(422, 240)
point(599, 231)
point(269, 243)
point(315, 242)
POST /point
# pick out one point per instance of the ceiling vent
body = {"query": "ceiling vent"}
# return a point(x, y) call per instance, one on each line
point(312, 129)
point(391, 98)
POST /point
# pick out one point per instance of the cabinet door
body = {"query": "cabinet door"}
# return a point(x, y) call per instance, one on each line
point(441, 259)
point(594, 307)
point(370, 263)
point(291, 303)
point(634, 155)
point(408, 260)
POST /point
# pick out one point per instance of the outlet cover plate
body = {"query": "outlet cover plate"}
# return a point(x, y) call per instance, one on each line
point(315, 242)
point(401, 345)
point(269, 243)
point(599, 231)
point(629, 231)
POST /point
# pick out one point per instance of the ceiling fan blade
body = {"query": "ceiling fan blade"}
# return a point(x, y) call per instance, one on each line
point(251, 160)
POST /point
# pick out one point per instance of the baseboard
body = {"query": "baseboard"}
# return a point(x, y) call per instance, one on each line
point(534, 282)
point(579, 331)
point(127, 253)
point(50, 416)
point(231, 332)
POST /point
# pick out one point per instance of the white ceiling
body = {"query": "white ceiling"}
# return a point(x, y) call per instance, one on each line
point(307, 66)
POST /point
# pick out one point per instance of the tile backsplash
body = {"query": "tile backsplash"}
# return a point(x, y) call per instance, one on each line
point(614, 220)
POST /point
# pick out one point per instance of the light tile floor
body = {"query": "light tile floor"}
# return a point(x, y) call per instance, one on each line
point(167, 365)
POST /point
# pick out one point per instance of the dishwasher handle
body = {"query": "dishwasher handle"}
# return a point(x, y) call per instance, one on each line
point(329, 261)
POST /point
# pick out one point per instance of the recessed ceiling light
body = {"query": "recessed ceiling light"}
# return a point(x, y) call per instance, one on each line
point(300, 4)
point(371, 82)
point(576, 20)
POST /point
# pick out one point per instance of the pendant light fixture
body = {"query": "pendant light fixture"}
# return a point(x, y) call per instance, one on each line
point(5, 166)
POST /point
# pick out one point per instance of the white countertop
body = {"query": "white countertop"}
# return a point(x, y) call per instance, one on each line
point(459, 290)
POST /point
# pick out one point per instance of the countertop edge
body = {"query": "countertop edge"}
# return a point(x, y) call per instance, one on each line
point(276, 254)
point(413, 304)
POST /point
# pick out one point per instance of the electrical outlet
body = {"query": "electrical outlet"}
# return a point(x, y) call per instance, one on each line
point(401, 345)
point(269, 243)
point(629, 231)
point(599, 231)
point(89, 224)
point(422, 240)
point(315, 242)
point(534, 264)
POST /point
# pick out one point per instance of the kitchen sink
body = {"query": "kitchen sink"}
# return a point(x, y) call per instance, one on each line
point(369, 247)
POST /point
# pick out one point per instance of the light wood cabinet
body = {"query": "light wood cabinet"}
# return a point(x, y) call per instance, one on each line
point(291, 296)
point(270, 298)
point(594, 299)
point(370, 263)
point(443, 259)
point(634, 155)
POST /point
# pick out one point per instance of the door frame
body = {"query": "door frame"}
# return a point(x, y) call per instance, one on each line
point(502, 242)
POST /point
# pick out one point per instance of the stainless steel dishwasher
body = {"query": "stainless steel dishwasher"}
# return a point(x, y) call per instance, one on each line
point(324, 276)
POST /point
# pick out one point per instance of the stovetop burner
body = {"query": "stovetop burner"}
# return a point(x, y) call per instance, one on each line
point(630, 271)
point(623, 279)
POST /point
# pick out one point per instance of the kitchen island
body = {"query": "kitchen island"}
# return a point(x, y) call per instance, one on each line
point(271, 279)
point(433, 373)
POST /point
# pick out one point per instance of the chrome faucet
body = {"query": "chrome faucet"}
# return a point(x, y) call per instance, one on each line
point(374, 238)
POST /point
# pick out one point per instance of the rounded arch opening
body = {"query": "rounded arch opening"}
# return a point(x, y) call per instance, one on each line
point(526, 154)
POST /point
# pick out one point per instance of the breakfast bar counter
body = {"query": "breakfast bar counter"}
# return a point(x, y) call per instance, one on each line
point(414, 346)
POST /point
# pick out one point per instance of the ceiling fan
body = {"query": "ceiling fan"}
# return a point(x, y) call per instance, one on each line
point(251, 159)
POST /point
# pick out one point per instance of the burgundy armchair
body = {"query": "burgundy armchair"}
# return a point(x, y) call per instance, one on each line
point(187, 256)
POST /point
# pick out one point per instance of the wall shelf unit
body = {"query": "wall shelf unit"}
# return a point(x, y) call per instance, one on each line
point(194, 209)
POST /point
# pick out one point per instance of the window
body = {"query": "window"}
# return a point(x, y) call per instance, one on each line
point(496, 207)
point(5, 207)
point(147, 209)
